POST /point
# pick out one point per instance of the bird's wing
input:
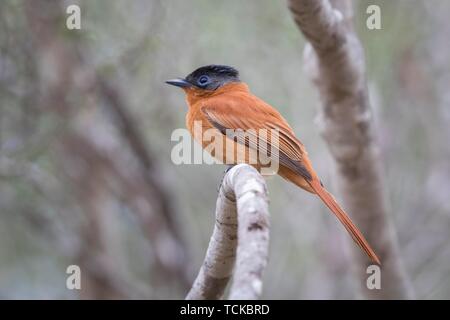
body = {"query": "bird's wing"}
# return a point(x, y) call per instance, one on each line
point(245, 116)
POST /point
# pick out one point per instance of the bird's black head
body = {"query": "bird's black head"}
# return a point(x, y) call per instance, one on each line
point(208, 78)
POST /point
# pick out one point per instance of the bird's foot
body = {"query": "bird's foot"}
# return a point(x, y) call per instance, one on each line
point(223, 177)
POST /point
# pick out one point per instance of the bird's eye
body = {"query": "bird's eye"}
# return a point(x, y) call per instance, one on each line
point(203, 80)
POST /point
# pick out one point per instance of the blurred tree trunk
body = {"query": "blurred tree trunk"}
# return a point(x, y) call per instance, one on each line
point(335, 59)
point(100, 171)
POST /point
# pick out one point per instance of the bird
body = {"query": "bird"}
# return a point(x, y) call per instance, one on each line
point(219, 101)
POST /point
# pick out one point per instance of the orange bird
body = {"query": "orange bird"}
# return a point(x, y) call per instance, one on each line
point(219, 101)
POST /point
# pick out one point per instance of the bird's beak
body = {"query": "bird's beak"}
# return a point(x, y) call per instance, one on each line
point(182, 83)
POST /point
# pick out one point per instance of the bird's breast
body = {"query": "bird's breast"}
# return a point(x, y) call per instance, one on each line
point(226, 150)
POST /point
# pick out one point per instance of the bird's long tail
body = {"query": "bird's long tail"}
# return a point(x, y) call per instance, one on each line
point(331, 203)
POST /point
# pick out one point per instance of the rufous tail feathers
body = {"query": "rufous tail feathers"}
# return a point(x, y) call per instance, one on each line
point(331, 203)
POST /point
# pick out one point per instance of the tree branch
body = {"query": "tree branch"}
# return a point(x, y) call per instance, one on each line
point(335, 60)
point(241, 232)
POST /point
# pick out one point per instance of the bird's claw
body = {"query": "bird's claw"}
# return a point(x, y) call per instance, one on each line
point(223, 177)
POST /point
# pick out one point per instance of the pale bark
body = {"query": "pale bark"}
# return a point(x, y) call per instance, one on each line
point(241, 233)
point(335, 60)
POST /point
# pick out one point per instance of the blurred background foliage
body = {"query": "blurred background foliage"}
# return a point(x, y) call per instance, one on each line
point(61, 205)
